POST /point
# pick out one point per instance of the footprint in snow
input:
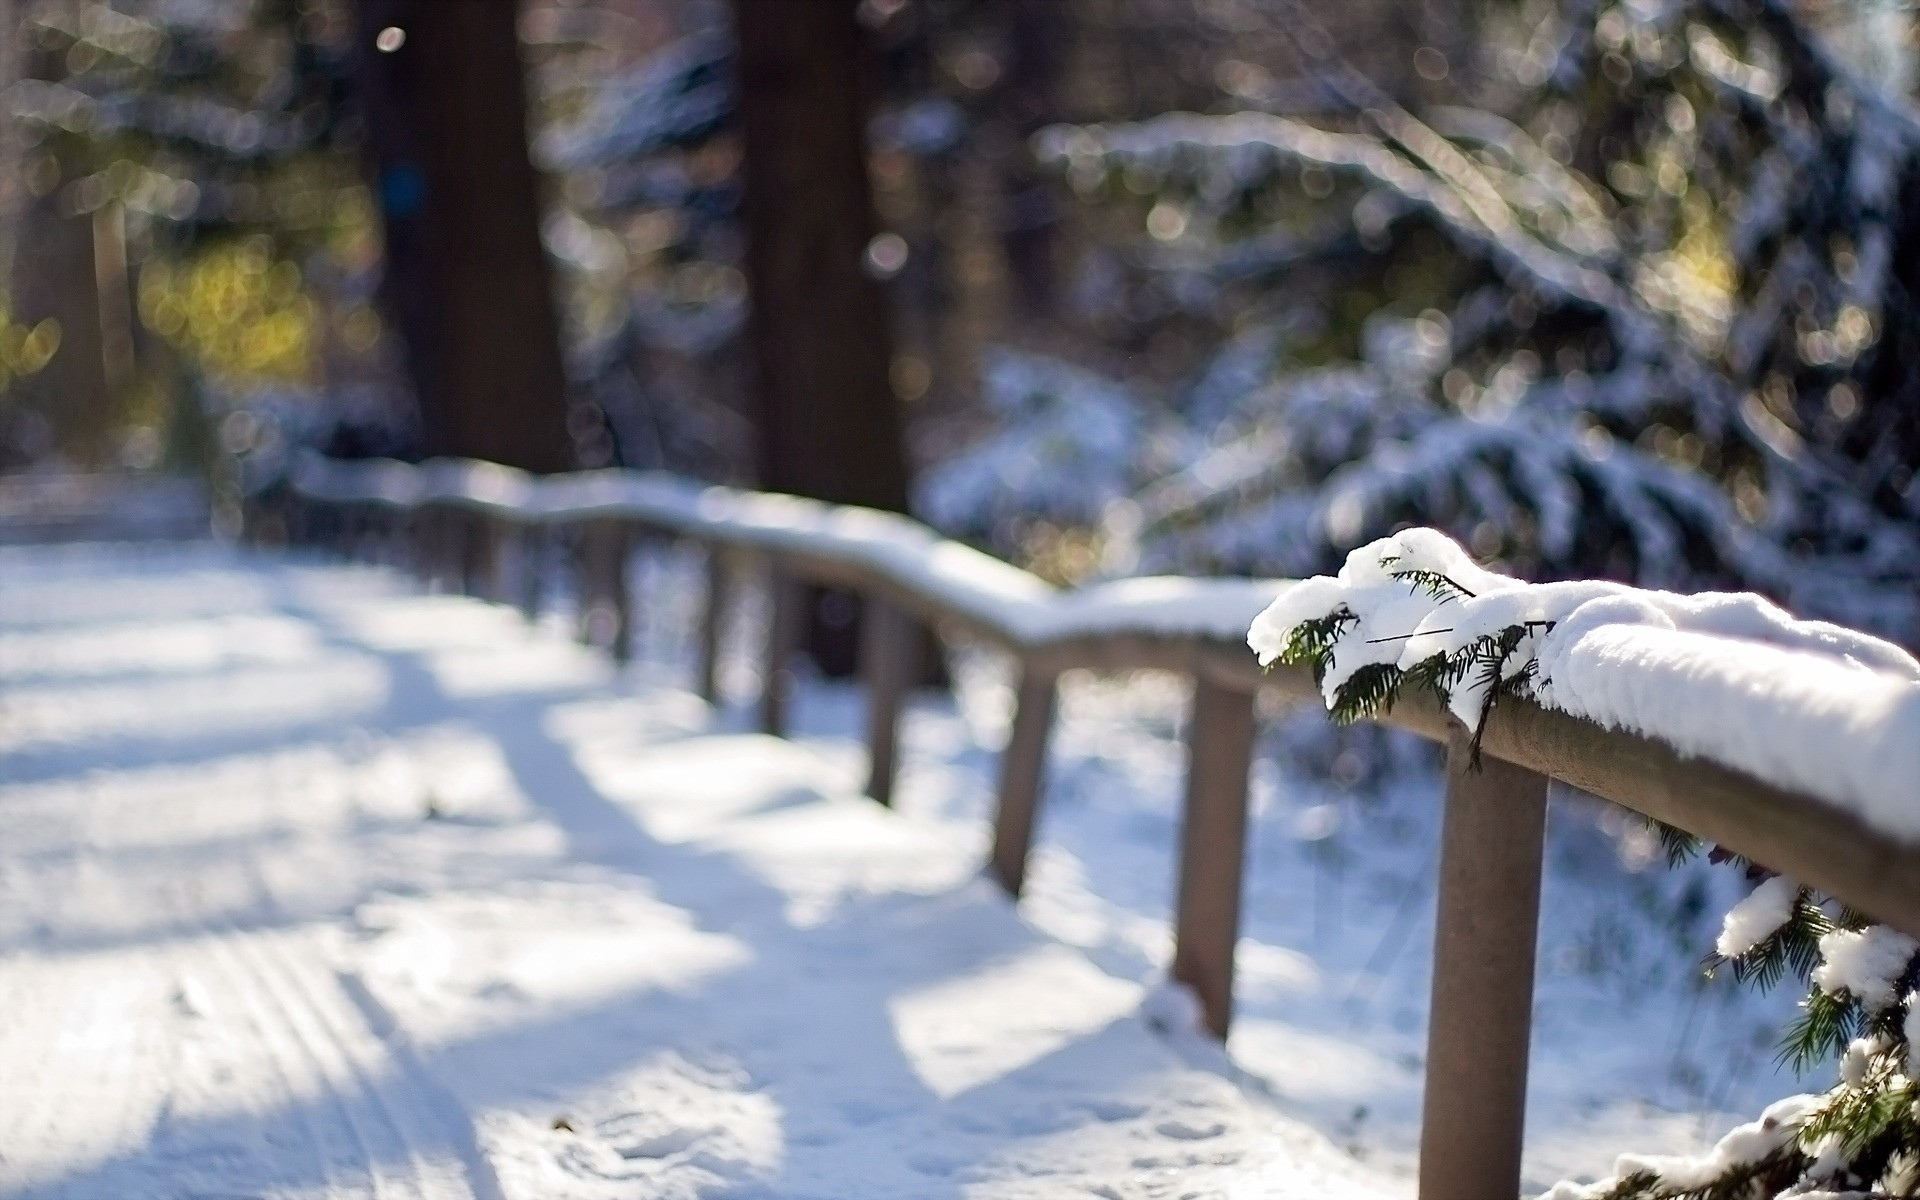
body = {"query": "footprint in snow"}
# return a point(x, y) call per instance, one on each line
point(1191, 1131)
point(1115, 1110)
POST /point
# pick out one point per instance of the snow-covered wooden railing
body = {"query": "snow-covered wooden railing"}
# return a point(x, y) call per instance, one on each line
point(460, 520)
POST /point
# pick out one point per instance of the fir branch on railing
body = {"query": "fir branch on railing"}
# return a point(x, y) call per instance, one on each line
point(1769, 1173)
point(1677, 844)
point(1372, 689)
point(1859, 1138)
point(1311, 642)
point(1435, 584)
point(1822, 1030)
point(1490, 658)
point(1793, 948)
point(1488, 638)
point(1871, 1120)
point(1370, 692)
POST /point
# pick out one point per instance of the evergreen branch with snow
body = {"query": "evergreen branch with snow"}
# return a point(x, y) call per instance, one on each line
point(1793, 948)
point(1860, 1138)
point(1310, 642)
point(1369, 692)
point(1822, 1030)
point(1677, 844)
point(1435, 584)
point(1414, 610)
point(1769, 1172)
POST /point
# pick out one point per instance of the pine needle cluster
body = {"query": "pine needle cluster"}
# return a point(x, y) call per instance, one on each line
point(1863, 1137)
point(1766, 1177)
point(1311, 643)
point(1372, 689)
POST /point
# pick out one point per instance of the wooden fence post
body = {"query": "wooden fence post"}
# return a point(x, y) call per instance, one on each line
point(1213, 839)
point(376, 541)
point(496, 543)
point(457, 530)
point(624, 546)
point(293, 514)
point(577, 543)
point(529, 546)
point(1022, 769)
point(889, 645)
point(787, 612)
point(347, 521)
point(423, 536)
point(405, 545)
point(411, 542)
point(606, 602)
point(713, 621)
point(478, 551)
point(1482, 1008)
point(436, 548)
point(446, 549)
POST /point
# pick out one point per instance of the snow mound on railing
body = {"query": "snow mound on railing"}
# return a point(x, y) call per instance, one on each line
point(959, 578)
point(1723, 676)
point(359, 481)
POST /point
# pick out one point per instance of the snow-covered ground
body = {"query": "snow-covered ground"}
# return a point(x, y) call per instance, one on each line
point(1633, 1049)
point(314, 886)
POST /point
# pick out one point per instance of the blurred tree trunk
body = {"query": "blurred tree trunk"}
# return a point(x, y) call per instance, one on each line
point(13, 190)
point(1028, 216)
point(827, 421)
point(467, 285)
point(1886, 438)
point(56, 275)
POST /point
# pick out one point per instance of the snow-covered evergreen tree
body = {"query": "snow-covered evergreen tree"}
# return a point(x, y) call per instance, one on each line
point(649, 241)
point(1666, 291)
point(210, 145)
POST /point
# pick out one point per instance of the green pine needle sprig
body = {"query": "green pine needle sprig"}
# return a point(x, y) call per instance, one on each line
point(1793, 949)
point(1312, 642)
point(1370, 691)
point(1826, 1024)
point(1859, 1117)
point(1437, 584)
point(1765, 1177)
point(1678, 845)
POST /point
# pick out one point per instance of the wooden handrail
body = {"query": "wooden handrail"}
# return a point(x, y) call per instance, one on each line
point(458, 516)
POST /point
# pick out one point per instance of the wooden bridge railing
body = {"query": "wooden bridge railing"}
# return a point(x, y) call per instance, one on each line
point(475, 527)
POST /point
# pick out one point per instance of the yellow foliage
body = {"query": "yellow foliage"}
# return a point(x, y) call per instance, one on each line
point(1060, 555)
point(1695, 280)
point(234, 311)
point(24, 351)
point(1703, 259)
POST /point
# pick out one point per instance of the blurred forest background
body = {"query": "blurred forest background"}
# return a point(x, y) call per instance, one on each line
point(1623, 288)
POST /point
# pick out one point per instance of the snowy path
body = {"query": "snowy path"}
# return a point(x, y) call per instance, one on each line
point(312, 886)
